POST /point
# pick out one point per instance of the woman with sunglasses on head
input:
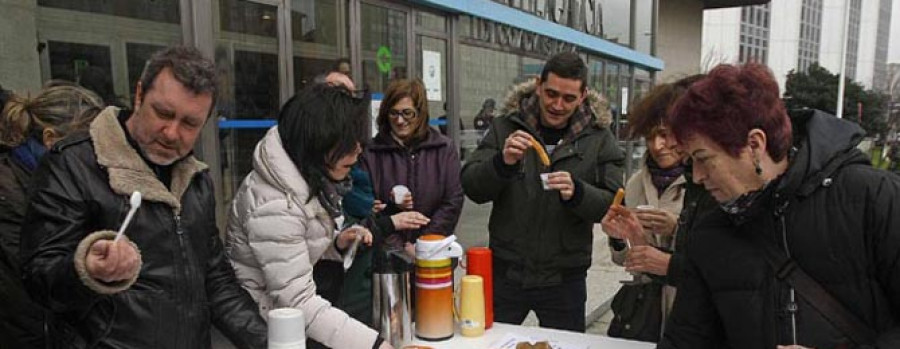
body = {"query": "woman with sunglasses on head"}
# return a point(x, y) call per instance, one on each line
point(407, 152)
point(658, 194)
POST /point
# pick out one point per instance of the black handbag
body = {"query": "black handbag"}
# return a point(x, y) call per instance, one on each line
point(637, 310)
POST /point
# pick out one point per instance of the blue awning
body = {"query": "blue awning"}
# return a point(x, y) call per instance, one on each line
point(512, 17)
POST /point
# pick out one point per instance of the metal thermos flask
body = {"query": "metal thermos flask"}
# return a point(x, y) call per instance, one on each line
point(391, 302)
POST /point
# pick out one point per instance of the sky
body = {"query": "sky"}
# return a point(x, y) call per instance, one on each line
point(894, 48)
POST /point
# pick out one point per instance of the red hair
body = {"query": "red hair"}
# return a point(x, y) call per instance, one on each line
point(728, 103)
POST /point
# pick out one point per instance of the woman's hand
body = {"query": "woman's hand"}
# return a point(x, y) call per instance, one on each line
point(409, 220)
point(658, 221)
point(647, 259)
point(378, 206)
point(407, 204)
point(346, 237)
point(621, 223)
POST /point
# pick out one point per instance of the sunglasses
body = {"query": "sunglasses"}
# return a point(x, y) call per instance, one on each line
point(358, 94)
point(407, 114)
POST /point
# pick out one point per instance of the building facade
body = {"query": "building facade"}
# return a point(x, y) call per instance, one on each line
point(791, 35)
point(466, 52)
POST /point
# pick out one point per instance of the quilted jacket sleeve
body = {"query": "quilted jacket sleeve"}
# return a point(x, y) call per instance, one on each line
point(276, 233)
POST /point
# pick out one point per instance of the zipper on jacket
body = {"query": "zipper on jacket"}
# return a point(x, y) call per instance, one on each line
point(791, 307)
point(187, 272)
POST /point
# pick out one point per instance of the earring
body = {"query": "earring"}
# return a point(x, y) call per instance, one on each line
point(758, 168)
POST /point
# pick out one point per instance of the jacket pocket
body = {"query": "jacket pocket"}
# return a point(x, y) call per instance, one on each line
point(575, 238)
point(139, 317)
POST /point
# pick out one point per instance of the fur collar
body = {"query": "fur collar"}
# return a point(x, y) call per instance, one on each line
point(598, 105)
point(127, 170)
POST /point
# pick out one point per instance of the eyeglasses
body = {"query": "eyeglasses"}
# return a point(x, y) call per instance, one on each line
point(407, 114)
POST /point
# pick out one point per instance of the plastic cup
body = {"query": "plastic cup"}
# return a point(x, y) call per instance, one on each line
point(287, 329)
point(399, 192)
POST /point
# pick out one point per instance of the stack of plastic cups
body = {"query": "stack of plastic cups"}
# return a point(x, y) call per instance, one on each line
point(287, 329)
point(471, 312)
point(478, 262)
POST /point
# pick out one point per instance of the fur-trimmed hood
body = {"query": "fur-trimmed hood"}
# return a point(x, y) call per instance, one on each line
point(127, 170)
point(596, 103)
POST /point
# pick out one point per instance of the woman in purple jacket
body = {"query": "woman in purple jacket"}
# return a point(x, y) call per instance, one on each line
point(406, 151)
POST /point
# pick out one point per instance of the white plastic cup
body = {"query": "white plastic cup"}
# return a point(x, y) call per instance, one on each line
point(399, 192)
point(287, 329)
point(545, 181)
point(351, 253)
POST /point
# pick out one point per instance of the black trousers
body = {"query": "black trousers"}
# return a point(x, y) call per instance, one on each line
point(560, 307)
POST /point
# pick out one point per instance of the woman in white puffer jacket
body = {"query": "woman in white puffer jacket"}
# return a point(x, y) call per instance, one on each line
point(286, 215)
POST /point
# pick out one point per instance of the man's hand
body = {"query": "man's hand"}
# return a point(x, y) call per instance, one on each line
point(378, 206)
point(110, 261)
point(562, 181)
point(658, 221)
point(647, 259)
point(515, 146)
point(409, 220)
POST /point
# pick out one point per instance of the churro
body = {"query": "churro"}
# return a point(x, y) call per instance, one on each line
point(539, 149)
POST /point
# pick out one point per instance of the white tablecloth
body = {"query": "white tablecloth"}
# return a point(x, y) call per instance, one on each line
point(499, 331)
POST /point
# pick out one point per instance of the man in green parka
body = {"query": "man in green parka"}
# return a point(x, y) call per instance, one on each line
point(541, 231)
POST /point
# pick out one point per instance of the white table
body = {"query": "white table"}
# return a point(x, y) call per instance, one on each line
point(500, 330)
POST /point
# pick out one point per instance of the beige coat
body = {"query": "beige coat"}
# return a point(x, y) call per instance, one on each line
point(640, 191)
point(274, 237)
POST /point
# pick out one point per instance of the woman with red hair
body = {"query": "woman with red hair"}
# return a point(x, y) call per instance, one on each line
point(805, 251)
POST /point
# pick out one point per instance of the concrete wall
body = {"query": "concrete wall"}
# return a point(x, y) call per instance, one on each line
point(721, 37)
point(20, 68)
point(679, 37)
point(784, 38)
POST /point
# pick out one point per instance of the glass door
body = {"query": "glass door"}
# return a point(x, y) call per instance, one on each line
point(384, 44)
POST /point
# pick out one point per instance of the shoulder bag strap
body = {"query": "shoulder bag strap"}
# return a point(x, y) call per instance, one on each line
point(808, 288)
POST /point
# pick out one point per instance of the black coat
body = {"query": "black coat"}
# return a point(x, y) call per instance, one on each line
point(840, 220)
point(21, 320)
point(185, 283)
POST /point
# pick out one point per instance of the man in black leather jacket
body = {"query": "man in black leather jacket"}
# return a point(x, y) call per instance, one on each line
point(168, 280)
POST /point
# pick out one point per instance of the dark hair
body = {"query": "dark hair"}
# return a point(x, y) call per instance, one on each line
point(729, 102)
point(396, 91)
point(196, 72)
point(650, 112)
point(567, 65)
point(320, 125)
